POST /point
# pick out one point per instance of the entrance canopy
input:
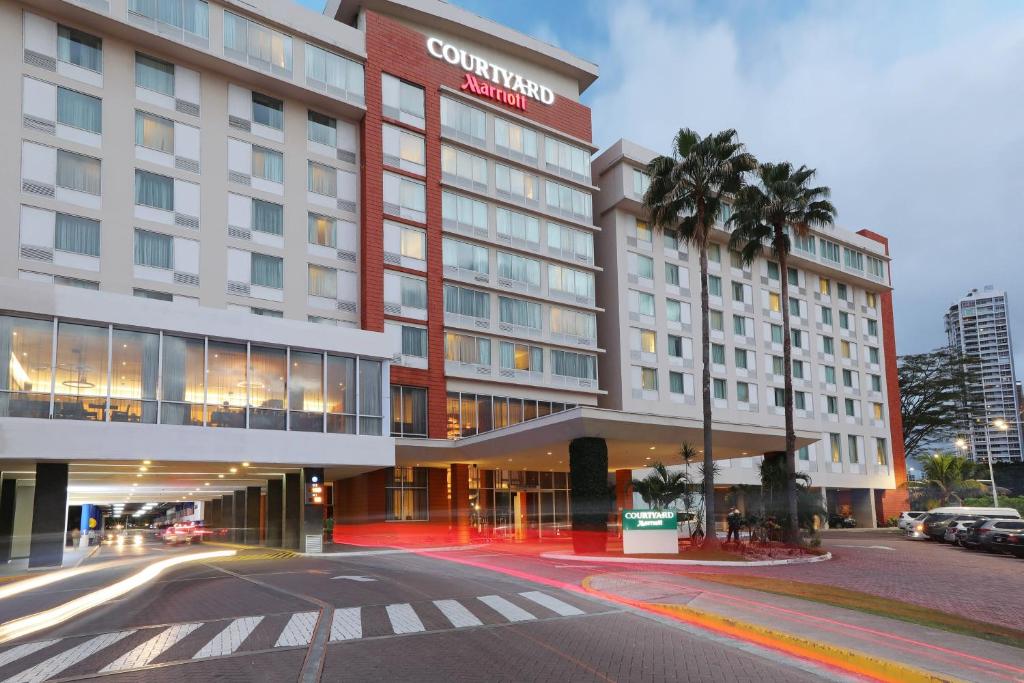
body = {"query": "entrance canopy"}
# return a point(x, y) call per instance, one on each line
point(634, 440)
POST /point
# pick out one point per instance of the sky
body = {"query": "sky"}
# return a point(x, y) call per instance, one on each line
point(910, 111)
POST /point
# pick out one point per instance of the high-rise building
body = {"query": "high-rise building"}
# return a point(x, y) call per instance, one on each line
point(978, 326)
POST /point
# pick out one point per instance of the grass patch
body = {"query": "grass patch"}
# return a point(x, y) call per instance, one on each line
point(872, 604)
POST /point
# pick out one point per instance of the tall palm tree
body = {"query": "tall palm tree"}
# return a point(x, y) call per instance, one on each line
point(684, 198)
point(782, 203)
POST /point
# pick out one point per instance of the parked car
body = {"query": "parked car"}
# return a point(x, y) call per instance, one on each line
point(916, 530)
point(935, 527)
point(907, 519)
point(956, 527)
point(980, 535)
point(1011, 543)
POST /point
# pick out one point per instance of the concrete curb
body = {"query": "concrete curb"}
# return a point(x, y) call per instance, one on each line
point(392, 551)
point(690, 563)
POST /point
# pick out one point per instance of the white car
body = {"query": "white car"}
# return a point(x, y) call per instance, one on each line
point(907, 519)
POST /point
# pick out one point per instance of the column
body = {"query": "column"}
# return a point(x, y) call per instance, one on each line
point(275, 512)
point(8, 491)
point(252, 515)
point(588, 481)
point(623, 490)
point(49, 515)
point(213, 516)
point(460, 511)
point(312, 525)
point(88, 513)
point(292, 509)
point(238, 522)
point(824, 505)
point(227, 516)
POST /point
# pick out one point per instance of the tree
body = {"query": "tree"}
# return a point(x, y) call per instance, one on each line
point(775, 481)
point(947, 478)
point(684, 199)
point(783, 202)
point(933, 397)
point(660, 488)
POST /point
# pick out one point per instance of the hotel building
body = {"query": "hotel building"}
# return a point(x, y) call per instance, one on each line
point(287, 267)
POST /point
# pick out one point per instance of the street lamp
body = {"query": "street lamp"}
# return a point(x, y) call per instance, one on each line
point(1001, 425)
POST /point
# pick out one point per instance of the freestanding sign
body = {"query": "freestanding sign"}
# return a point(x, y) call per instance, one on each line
point(649, 531)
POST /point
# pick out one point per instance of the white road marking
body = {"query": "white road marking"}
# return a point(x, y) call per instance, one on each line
point(457, 614)
point(16, 653)
point(152, 648)
point(505, 608)
point(298, 631)
point(403, 618)
point(354, 578)
point(552, 603)
point(347, 624)
point(228, 640)
point(54, 665)
point(870, 547)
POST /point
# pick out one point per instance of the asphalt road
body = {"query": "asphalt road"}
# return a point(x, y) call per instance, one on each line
point(372, 616)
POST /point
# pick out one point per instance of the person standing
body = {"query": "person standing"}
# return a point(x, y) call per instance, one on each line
point(733, 520)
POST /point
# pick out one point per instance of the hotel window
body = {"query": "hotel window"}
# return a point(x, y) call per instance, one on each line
point(154, 250)
point(267, 164)
point(742, 326)
point(881, 452)
point(520, 313)
point(804, 243)
point(742, 392)
point(873, 330)
point(871, 299)
point(828, 346)
point(875, 267)
point(876, 382)
point(776, 332)
point(568, 200)
point(850, 407)
point(826, 315)
point(78, 172)
point(570, 281)
point(778, 365)
point(648, 341)
point(464, 121)
point(719, 388)
point(80, 378)
point(406, 498)
point(873, 356)
point(735, 259)
point(514, 183)
point(641, 181)
point(408, 411)
point(323, 230)
point(321, 129)
point(718, 354)
point(511, 137)
point(570, 364)
point(800, 400)
point(267, 111)
point(803, 453)
point(832, 405)
point(566, 159)
point(645, 304)
point(306, 392)
point(648, 379)
point(716, 320)
point(322, 179)
point(844, 320)
point(877, 412)
point(644, 232)
point(775, 302)
point(260, 47)
point(134, 373)
point(414, 341)
point(644, 266)
point(848, 379)
point(726, 213)
point(76, 235)
point(676, 383)
point(569, 243)
point(574, 323)
point(670, 240)
point(794, 276)
point(672, 274)
point(464, 348)
point(740, 356)
point(674, 311)
point(520, 357)
point(714, 253)
point(847, 350)
point(267, 217)
point(798, 369)
point(851, 442)
point(714, 285)
point(461, 167)
point(779, 397)
point(79, 110)
point(469, 302)
point(464, 256)
point(459, 211)
point(154, 132)
point(407, 151)
point(154, 190)
point(79, 48)
point(322, 281)
point(267, 271)
point(794, 307)
point(402, 101)
point(842, 291)
point(830, 251)
point(412, 242)
point(853, 259)
point(738, 292)
point(341, 395)
point(773, 270)
point(371, 406)
point(404, 197)
point(226, 385)
point(192, 16)
point(675, 346)
point(519, 269)
point(333, 73)
point(266, 387)
point(835, 447)
point(154, 74)
point(830, 374)
point(825, 286)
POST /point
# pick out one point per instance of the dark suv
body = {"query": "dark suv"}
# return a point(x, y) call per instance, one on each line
point(980, 536)
point(935, 525)
point(1012, 543)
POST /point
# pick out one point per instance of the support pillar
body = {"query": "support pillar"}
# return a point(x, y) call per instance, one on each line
point(275, 512)
point(49, 515)
point(292, 509)
point(227, 516)
point(312, 512)
point(252, 515)
point(460, 509)
point(623, 490)
point(238, 522)
point(824, 505)
point(8, 492)
point(213, 515)
point(588, 482)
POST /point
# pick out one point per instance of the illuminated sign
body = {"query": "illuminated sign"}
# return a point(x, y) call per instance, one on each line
point(648, 520)
point(490, 80)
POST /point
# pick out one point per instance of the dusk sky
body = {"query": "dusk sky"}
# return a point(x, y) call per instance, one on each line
point(910, 111)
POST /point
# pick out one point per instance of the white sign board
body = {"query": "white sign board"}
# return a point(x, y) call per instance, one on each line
point(649, 531)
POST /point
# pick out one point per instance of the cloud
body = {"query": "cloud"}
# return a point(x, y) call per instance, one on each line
point(910, 112)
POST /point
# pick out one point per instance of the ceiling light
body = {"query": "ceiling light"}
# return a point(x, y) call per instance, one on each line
point(233, 470)
point(146, 462)
point(245, 464)
point(220, 476)
point(549, 452)
point(206, 483)
point(651, 448)
point(143, 469)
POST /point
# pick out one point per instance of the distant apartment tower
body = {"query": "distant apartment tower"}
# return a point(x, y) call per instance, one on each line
point(978, 326)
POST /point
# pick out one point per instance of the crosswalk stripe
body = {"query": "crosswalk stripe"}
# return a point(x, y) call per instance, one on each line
point(403, 618)
point(298, 631)
point(228, 640)
point(505, 608)
point(347, 624)
point(552, 603)
point(16, 653)
point(49, 668)
point(457, 614)
point(152, 648)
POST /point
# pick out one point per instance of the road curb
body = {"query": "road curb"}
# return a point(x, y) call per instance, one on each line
point(690, 563)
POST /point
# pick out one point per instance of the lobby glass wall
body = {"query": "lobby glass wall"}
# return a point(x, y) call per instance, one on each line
point(512, 502)
point(62, 370)
point(470, 414)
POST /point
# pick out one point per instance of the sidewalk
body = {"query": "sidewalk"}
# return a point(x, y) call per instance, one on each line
point(946, 655)
point(18, 569)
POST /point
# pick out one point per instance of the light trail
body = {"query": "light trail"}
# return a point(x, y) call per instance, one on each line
point(24, 585)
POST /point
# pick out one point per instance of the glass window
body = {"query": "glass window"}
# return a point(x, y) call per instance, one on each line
point(267, 217)
point(78, 172)
point(463, 301)
point(714, 285)
point(568, 160)
point(851, 441)
point(641, 181)
point(644, 266)
point(226, 387)
point(336, 73)
point(512, 137)
point(259, 46)
point(520, 357)
point(408, 151)
point(267, 111)
point(153, 249)
point(463, 166)
point(414, 341)
point(463, 119)
point(568, 200)
point(742, 392)
point(672, 274)
point(267, 371)
point(826, 316)
point(25, 374)
point(718, 354)
point(519, 268)
point(152, 294)
point(851, 407)
point(676, 383)
point(520, 312)
point(267, 271)
point(408, 411)
point(267, 164)
point(80, 380)
point(464, 255)
point(322, 281)
point(649, 379)
point(716, 321)
point(341, 395)
point(881, 452)
point(404, 197)
point(571, 281)
point(402, 101)
point(322, 129)
point(76, 235)
point(135, 366)
point(322, 179)
point(513, 182)
point(570, 364)
point(154, 190)
point(306, 392)
point(154, 74)
point(191, 15)
point(776, 331)
point(322, 230)
point(181, 384)
point(740, 358)
point(371, 406)
point(79, 110)
point(463, 211)
point(79, 48)
point(154, 132)
point(835, 447)
point(648, 341)
point(406, 495)
point(719, 388)
point(413, 292)
point(519, 226)
point(464, 348)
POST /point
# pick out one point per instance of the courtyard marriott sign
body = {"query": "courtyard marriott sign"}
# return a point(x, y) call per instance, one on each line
point(648, 519)
point(490, 80)
point(649, 531)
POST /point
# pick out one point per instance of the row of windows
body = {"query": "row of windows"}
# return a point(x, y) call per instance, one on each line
point(527, 314)
point(470, 414)
point(473, 350)
point(474, 258)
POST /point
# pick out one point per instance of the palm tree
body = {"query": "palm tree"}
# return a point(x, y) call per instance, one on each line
point(781, 203)
point(660, 488)
point(950, 478)
point(684, 198)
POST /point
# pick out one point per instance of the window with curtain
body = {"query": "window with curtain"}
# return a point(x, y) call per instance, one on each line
point(675, 383)
point(81, 375)
point(465, 120)
point(465, 256)
point(135, 367)
point(570, 364)
point(414, 341)
point(519, 268)
point(267, 164)
point(267, 217)
point(154, 190)
point(267, 271)
point(408, 411)
point(79, 48)
point(154, 132)
point(323, 231)
point(334, 71)
point(191, 15)
point(402, 98)
point(520, 312)
point(266, 385)
point(513, 356)
point(226, 384)
point(78, 172)
point(154, 74)
point(371, 407)
point(267, 111)
point(465, 348)
point(323, 281)
point(323, 179)
point(341, 394)
point(181, 384)
point(305, 392)
point(322, 129)
point(153, 249)
point(463, 301)
point(76, 235)
point(414, 292)
point(26, 346)
point(465, 211)
point(413, 243)
point(79, 110)
point(671, 274)
point(260, 46)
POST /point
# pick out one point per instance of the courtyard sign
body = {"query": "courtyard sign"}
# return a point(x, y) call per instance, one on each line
point(644, 520)
point(490, 80)
point(649, 531)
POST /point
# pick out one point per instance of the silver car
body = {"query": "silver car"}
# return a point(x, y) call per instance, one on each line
point(950, 536)
point(907, 519)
